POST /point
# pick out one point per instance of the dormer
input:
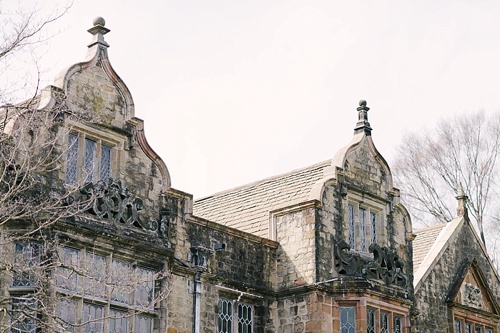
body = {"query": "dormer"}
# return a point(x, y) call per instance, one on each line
point(371, 230)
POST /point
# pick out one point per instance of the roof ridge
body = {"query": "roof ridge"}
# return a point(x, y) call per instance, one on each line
point(437, 226)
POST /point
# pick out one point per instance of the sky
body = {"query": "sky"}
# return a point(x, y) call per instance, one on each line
point(234, 91)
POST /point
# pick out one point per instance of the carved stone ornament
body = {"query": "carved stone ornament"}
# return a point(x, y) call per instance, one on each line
point(386, 264)
point(472, 296)
point(111, 201)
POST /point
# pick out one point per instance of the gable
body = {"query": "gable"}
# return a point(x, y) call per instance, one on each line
point(93, 86)
point(472, 290)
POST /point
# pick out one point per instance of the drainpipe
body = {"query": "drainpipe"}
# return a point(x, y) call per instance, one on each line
point(196, 302)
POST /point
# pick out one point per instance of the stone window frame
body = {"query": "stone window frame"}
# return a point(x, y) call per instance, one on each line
point(238, 324)
point(461, 317)
point(346, 326)
point(363, 305)
point(391, 317)
point(372, 208)
point(80, 299)
point(101, 138)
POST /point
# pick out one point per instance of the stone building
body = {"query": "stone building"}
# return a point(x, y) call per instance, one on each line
point(326, 248)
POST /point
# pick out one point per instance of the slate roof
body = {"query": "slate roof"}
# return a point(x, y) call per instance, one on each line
point(429, 245)
point(247, 207)
point(423, 243)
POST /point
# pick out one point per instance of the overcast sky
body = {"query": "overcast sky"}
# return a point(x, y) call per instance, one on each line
point(234, 91)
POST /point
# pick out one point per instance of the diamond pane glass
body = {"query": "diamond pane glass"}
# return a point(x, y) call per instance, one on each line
point(72, 160)
point(371, 325)
point(121, 288)
point(143, 324)
point(362, 229)
point(118, 321)
point(398, 324)
point(245, 318)
point(225, 316)
point(92, 318)
point(89, 161)
point(23, 315)
point(66, 315)
point(384, 322)
point(66, 275)
point(105, 171)
point(144, 291)
point(94, 281)
point(348, 319)
point(373, 220)
point(350, 225)
point(26, 260)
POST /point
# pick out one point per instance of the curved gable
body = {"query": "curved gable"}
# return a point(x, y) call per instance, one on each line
point(93, 85)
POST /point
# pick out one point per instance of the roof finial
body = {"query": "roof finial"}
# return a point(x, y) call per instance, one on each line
point(462, 201)
point(98, 31)
point(363, 125)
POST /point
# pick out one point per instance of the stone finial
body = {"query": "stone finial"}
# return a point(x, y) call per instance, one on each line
point(98, 31)
point(363, 125)
point(461, 201)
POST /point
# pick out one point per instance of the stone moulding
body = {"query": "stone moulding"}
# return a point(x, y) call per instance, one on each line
point(111, 201)
point(386, 264)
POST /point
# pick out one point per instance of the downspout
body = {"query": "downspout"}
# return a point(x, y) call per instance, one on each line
point(196, 302)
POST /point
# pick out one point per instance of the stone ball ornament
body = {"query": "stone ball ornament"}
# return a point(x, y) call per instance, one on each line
point(99, 21)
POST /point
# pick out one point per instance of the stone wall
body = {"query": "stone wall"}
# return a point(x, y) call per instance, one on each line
point(431, 296)
point(296, 233)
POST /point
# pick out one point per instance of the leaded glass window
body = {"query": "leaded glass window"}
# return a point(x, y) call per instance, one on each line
point(468, 328)
point(105, 171)
point(352, 239)
point(245, 318)
point(458, 326)
point(489, 330)
point(88, 160)
point(120, 273)
point(72, 160)
point(373, 220)
point(225, 316)
point(478, 329)
point(67, 273)
point(143, 324)
point(398, 324)
point(118, 321)
point(144, 291)
point(66, 315)
point(23, 317)
point(348, 319)
point(384, 322)
point(361, 225)
point(371, 322)
point(26, 263)
point(362, 229)
point(94, 281)
point(93, 318)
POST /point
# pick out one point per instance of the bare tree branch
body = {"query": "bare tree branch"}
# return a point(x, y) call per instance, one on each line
point(431, 165)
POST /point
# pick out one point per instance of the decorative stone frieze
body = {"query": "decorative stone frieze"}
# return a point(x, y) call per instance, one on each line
point(386, 264)
point(111, 201)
